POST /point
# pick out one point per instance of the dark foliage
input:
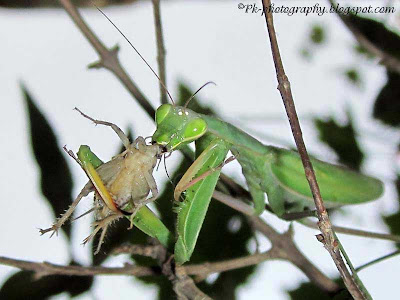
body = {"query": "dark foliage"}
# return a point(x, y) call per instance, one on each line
point(23, 285)
point(387, 104)
point(55, 180)
point(342, 140)
point(376, 32)
point(309, 291)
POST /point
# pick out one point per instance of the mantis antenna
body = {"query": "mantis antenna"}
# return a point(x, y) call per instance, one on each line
point(138, 53)
point(191, 97)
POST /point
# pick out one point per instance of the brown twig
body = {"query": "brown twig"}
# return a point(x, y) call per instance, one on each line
point(185, 288)
point(205, 269)
point(108, 57)
point(158, 252)
point(46, 268)
point(329, 240)
point(377, 260)
point(160, 50)
point(356, 232)
point(389, 61)
point(234, 203)
point(282, 244)
point(247, 210)
point(288, 250)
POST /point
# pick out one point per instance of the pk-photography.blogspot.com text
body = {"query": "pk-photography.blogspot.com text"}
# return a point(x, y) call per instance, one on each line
point(317, 9)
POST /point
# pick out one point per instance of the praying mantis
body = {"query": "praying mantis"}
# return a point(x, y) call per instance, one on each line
point(121, 187)
point(267, 169)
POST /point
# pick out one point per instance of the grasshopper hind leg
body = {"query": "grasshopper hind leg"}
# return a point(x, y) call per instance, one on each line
point(101, 225)
point(60, 222)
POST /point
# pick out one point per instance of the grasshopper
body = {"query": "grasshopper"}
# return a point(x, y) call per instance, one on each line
point(121, 187)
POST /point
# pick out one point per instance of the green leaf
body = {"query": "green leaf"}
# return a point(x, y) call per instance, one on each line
point(24, 285)
point(387, 104)
point(342, 140)
point(353, 76)
point(55, 180)
point(317, 34)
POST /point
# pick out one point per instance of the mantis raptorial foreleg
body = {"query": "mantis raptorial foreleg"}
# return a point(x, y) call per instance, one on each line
point(195, 168)
point(192, 211)
point(183, 186)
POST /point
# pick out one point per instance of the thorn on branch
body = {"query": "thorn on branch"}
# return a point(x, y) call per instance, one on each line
point(320, 238)
point(108, 61)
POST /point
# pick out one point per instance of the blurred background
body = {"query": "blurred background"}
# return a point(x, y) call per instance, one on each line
point(348, 105)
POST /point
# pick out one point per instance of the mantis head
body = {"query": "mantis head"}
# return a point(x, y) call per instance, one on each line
point(177, 126)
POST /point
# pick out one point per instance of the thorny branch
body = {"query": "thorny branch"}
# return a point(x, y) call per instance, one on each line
point(45, 269)
point(329, 240)
point(357, 232)
point(278, 251)
point(108, 58)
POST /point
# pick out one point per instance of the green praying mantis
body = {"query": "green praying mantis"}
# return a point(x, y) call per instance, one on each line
point(267, 169)
point(275, 171)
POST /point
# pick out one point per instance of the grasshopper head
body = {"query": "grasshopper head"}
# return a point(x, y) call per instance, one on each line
point(177, 126)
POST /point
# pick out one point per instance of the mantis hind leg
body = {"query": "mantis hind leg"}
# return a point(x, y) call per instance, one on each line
point(117, 130)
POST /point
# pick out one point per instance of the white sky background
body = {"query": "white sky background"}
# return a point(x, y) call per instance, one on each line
point(204, 41)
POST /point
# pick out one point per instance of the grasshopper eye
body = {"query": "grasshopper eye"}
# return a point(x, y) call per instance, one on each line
point(194, 129)
point(162, 112)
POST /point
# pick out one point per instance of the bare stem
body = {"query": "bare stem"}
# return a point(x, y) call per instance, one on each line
point(329, 240)
point(377, 260)
point(108, 58)
point(356, 232)
point(45, 268)
point(205, 269)
point(160, 50)
point(288, 250)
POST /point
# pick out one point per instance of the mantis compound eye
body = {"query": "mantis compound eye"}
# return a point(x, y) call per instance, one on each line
point(162, 112)
point(194, 129)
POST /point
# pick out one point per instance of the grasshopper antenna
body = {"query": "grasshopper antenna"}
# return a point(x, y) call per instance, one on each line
point(138, 53)
point(191, 97)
